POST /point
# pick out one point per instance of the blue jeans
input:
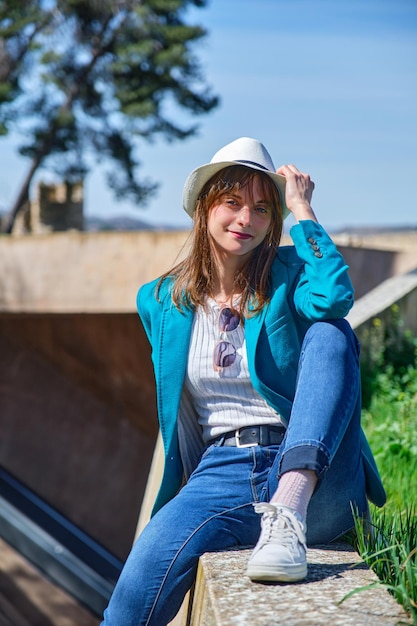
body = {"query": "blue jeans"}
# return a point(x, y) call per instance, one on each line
point(214, 510)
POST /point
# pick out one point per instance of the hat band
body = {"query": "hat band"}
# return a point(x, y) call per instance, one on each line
point(253, 163)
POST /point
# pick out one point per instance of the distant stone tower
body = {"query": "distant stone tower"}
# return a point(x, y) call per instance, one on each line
point(56, 208)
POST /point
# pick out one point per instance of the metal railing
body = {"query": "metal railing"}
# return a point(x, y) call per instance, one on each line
point(61, 550)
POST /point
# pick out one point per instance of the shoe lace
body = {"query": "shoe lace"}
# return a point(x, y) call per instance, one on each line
point(280, 524)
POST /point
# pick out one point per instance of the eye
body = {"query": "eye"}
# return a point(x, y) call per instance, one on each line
point(261, 208)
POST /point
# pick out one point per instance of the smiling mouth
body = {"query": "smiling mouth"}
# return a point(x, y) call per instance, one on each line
point(239, 235)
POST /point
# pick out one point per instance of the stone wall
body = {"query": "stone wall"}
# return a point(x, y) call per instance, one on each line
point(80, 272)
point(78, 418)
point(78, 421)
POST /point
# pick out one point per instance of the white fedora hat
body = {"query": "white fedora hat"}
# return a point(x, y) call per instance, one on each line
point(244, 151)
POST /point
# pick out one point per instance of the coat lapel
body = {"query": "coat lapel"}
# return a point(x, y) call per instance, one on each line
point(253, 327)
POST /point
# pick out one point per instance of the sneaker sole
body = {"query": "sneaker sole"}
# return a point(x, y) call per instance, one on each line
point(273, 573)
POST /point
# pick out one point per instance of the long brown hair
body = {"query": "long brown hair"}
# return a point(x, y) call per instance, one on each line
point(194, 277)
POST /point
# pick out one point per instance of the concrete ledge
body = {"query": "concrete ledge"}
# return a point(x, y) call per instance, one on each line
point(225, 596)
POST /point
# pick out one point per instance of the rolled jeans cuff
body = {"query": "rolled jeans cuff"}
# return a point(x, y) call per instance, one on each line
point(304, 457)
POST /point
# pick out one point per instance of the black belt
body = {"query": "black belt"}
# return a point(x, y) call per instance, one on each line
point(252, 436)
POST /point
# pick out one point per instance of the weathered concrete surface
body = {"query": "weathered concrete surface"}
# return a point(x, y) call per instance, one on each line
point(82, 272)
point(403, 239)
point(399, 290)
point(368, 267)
point(78, 417)
point(225, 596)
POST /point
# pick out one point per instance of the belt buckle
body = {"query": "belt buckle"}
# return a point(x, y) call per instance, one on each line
point(243, 445)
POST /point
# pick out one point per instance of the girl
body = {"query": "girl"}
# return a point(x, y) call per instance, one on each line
point(258, 389)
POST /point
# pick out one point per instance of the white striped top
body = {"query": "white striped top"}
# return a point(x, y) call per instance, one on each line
point(224, 400)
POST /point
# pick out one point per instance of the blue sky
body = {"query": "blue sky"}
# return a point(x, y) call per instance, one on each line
point(330, 85)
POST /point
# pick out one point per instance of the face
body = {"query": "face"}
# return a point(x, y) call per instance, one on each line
point(239, 222)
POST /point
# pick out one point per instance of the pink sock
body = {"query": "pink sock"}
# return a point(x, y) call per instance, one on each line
point(295, 489)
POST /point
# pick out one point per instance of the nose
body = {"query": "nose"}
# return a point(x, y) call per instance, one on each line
point(244, 216)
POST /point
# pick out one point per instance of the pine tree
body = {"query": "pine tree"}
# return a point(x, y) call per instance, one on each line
point(92, 78)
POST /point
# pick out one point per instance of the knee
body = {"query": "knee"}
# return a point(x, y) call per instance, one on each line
point(333, 335)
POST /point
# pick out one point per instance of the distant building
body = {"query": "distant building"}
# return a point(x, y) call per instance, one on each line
point(56, 208)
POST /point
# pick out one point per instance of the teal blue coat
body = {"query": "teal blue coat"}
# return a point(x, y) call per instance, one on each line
point(309, 283)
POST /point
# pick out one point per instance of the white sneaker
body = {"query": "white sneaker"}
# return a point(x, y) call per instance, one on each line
point(280, 554)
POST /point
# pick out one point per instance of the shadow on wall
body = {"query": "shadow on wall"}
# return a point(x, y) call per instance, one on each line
point(78, 419)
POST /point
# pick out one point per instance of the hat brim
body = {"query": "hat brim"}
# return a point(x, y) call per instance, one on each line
point(201, 175)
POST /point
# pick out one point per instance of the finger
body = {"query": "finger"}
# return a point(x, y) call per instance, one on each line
point(288, 169)
point(303, 176)
point(283, 170)
point(294, 169)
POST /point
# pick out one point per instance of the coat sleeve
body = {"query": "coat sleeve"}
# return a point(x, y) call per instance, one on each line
point(145, 299)
point(324, 289)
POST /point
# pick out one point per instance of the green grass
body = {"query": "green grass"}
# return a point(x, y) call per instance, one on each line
point(390, 422)
point(390, 550)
